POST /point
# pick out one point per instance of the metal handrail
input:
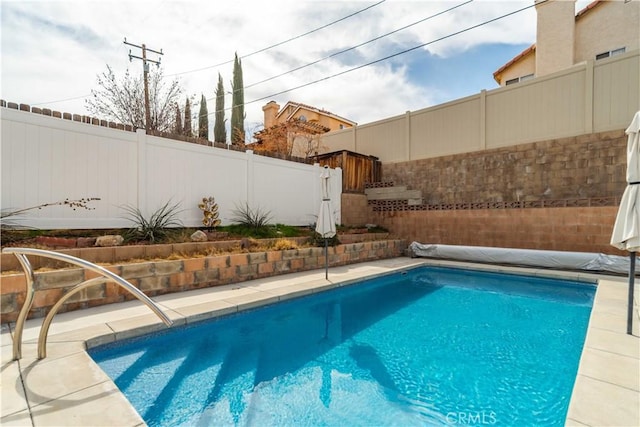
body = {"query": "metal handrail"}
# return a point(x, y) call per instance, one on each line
point(107, 276)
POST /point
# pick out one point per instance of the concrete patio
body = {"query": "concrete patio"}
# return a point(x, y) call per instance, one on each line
point(68, 388)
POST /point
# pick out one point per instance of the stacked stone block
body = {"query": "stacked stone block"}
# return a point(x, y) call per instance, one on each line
point(168, 276)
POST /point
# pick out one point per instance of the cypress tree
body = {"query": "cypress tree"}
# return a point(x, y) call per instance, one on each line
point(237, 106)
point(178, 125)
point(187, 118)
point(219, 130)
point(203, 119)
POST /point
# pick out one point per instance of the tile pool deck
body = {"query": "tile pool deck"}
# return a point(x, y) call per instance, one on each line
point(68, 388)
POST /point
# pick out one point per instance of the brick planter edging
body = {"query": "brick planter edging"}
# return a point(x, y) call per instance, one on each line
point(167, 276)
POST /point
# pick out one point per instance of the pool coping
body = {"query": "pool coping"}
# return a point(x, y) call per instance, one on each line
point(69, 388)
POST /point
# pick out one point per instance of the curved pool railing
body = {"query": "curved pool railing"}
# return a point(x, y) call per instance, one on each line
point(106, 276)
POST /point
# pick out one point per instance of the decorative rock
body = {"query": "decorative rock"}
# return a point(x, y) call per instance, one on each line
point(199, 236)
point(110, 240)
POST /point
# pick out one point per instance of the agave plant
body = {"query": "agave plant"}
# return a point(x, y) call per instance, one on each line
point(209, 209)
point(156, 227)
point(253, 218)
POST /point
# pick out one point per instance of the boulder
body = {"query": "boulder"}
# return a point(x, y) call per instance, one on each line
point(110, 240)
point(199, 236)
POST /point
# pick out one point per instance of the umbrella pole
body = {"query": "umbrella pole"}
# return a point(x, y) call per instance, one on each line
point(632, 275)
point(326, 260)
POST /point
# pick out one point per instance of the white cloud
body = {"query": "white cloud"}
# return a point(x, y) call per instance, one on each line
point(54, 50)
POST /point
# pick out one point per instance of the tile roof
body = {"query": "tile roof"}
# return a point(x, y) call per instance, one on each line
point(515, 59)
point(319, 110)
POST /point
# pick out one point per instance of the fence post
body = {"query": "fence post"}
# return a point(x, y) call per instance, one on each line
point(337, 193)
point(483, 119)
point(251, 185)
point(407, 135)
point(588, 96)
point(141, 188)
point(354, 135)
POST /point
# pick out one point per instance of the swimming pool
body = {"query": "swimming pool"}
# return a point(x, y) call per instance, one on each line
point(432, 346)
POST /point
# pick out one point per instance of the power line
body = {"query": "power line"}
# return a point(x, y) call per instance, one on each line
point(249, 54)
point(395, 54)
point(280, 43)
point(359, 45)
point(61, 100)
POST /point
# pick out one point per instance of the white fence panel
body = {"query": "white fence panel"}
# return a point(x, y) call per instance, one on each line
point(46, 159)
point(290, 192)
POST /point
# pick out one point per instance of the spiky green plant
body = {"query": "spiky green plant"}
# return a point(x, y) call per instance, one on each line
point(155, 228)
point(253, 218)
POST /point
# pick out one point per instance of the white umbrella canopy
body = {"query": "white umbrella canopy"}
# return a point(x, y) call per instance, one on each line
point(626, 229)
point(326, 224)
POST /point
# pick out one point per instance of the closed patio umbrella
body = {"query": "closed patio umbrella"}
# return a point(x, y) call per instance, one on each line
point(626, 230)
point(326, 225)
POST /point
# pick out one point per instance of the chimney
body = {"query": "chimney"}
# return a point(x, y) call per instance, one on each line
point(555, 38)
point(270, 111)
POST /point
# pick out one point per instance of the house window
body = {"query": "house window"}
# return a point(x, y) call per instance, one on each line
point(341, 126)
point(518, 79)
point(302, 118)
point(614, 52)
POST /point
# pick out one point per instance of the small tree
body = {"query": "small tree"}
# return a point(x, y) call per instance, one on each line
point(237, 105)
point(187, 118)
point(219, 129)
point(291, 138)
point(122, 100)
point(177, 129)
point(203, 119)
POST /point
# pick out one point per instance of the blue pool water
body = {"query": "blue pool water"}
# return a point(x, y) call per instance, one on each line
point(431, 346)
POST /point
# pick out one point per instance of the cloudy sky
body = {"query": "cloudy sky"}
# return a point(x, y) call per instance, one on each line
point(53, 51)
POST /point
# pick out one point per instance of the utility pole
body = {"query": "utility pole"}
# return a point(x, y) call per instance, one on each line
point(145, 67)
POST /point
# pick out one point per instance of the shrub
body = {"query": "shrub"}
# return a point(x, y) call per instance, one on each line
point(318, 240)
point(283, 245)
point(156, 227)
point(252, 218)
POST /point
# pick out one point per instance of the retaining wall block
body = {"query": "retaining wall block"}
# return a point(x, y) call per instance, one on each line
point(209, 275)
point(58, 279)
point(154, 283)
point(257, 257)
point(140, 270)
point(164, 268)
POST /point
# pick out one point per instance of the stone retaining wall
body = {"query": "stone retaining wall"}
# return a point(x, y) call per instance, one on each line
point(168, 276)
point(584, 166)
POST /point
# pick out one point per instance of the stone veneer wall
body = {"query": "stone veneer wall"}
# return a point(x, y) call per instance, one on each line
point(586, 166)
point(167, 276)
point(511, 197)
point(575, 229)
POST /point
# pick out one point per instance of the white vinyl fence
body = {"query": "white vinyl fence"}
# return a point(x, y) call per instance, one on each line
point(47, 159)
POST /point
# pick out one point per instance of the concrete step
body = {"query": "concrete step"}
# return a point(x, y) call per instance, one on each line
point(402, 194)
point(384, 190)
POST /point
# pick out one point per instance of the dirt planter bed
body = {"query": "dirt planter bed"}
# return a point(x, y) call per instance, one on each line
point(161, 276)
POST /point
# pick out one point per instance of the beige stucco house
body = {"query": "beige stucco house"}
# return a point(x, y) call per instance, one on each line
point(292, 129)
point(564, 38)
